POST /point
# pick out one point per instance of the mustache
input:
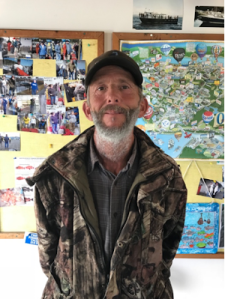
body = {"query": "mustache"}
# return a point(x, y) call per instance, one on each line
point(114, 108)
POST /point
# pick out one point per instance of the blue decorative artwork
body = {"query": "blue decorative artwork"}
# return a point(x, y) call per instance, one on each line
point(201, 229)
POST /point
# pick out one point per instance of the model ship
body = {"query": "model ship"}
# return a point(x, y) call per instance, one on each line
point(156, 18)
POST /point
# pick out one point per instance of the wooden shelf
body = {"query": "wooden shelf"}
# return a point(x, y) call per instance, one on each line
point(218, 255)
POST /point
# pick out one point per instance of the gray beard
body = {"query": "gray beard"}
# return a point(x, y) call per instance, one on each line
point(118, 134)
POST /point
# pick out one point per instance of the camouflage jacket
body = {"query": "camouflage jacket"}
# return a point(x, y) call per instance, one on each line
point(70, 246)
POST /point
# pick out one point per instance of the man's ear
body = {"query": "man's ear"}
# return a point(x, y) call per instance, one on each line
point(143, 107)
point(87, 111)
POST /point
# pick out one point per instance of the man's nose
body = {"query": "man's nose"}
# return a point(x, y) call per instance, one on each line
point(112, 95)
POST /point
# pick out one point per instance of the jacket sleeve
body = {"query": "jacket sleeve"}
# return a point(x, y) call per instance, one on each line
point(173, 228)
point(48, 233)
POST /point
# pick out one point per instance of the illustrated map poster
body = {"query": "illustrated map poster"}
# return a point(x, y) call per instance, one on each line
point(201, 229)
point(184, 85)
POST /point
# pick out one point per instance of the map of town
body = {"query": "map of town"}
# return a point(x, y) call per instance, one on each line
point(184, 86)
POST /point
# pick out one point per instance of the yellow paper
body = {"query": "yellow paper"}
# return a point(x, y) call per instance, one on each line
point(89, 50)
point(193, 171)
point(44, 67)
point(1, 71)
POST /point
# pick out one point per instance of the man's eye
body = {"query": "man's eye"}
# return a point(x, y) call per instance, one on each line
point(124, 87)
point(100, 88)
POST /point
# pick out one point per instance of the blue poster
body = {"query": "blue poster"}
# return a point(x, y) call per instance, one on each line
point(201, 229)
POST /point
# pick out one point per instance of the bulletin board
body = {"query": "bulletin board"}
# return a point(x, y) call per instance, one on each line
point(16, 219)
point(202, 165)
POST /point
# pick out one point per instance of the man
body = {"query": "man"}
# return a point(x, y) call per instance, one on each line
point(6, 139)
point(110, 205)
point(42, 50)
point(52, 94)
point(4, 85)
point(58, 51)
point(72, 70)
point(32, 105)
point(34, 87)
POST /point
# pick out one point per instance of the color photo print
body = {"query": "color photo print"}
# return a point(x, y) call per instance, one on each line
point(31, 114)
point(75, 91)
point(55, 117)
point(209, 16)
point(54, 91)
point(9, 141)
point(15, 47)
point(71, 122)
point(71, 69)
point(11, 197)
point(59, 49)
point(18, 66)
point(211, 188)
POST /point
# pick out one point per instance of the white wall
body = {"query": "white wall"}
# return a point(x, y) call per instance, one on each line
point(91, 15)
point(20, 273)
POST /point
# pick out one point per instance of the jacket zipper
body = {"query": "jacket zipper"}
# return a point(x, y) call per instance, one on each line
point(97, 242)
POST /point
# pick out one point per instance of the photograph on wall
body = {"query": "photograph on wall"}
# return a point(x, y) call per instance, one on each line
point(209, 16)
point(59, 49)
point(8, 105)
point(54, 91)
point(183, 82)
point(55, 117)
point(201, 229)
point(29, 104)
point(75, 91)
point(7, 85)
point(71, 122)
point(16, 47)
point(211, 188)
point(17, 66)
point(28, 85)
point(9, 141)
point(157, 15)
point(221, 230)
point(81, 69)
point(24, 168)
point(11, 197)
point(32, 122)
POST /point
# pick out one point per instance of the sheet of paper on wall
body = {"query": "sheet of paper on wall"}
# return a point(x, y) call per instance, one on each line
point(9, 141)
point(90, 50)
point(183, 84)
point(44, 67)
point(24, 168)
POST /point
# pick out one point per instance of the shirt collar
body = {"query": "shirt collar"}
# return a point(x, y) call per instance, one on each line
point(93, 158)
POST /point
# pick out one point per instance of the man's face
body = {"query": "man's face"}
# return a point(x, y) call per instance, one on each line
point(114, 101)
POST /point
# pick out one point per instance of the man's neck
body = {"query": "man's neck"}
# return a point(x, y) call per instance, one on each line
point(114, 156)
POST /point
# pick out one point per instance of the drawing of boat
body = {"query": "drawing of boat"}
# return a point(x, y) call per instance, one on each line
point(170, 143)
point(157, 18)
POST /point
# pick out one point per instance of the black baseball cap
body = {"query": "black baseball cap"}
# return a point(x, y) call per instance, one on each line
point(116, 58)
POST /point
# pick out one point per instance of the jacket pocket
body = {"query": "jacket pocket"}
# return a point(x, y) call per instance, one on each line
point(54, 286)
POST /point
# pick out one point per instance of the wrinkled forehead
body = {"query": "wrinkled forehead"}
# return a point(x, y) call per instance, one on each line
point(113, 72)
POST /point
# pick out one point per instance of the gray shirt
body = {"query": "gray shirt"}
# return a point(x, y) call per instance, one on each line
point(109, 193)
